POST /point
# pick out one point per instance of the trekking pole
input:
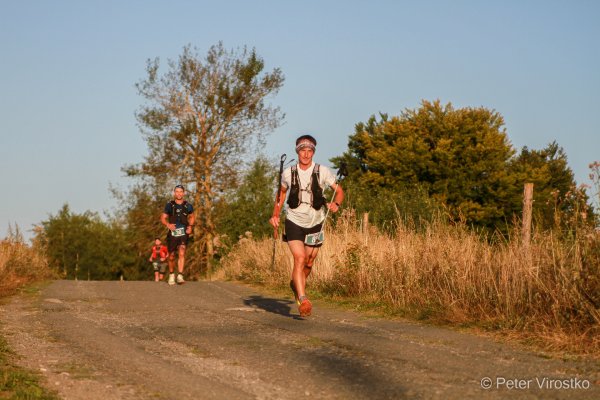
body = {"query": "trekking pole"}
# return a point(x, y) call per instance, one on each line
point(341, 173)
point(277, 199)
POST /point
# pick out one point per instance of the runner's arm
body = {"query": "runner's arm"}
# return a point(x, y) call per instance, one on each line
point(164, 219)
point(338, 197)
point(277, 208)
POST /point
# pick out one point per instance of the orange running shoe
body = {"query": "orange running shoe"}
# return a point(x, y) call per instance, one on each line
point(305, 307)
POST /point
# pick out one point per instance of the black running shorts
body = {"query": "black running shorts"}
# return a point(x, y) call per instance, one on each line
point(295, 232)
point(173, 242)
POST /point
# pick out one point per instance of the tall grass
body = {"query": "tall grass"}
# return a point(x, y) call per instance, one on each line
point(20, 264)
point(548, 292)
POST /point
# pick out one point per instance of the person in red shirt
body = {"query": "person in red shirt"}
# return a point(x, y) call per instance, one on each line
point(159, 252)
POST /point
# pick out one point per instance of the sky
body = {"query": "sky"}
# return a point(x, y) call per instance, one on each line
point(68, 71)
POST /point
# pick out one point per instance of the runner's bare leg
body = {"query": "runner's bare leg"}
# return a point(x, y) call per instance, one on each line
point(297, 249)
point(171, 262)
point(181, 259)
point(311, 255)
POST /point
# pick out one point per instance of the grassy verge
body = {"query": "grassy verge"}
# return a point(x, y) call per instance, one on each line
point(377, 309)
point(20, 267)
point(547, 295)
point(19, 383)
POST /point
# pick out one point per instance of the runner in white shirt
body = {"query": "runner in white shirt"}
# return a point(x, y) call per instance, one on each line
point(305, 183)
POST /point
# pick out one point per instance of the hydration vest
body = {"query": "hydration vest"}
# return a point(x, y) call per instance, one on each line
point(180, 216)
point(317, 201)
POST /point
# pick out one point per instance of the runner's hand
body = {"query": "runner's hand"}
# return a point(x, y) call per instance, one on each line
point(274, 221)
point(188, 230)
point(333, 207)
point(171, 227)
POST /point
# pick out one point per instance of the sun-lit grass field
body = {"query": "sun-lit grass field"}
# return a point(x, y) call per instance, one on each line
point(547, 294)
point(20, 264)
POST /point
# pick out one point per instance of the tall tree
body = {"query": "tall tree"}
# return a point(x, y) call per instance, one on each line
point(82, 245)
point(250, 205)
point(463, 159)
point(201, 117)
point(459, 156)
point(556, 196)
point(138, 214)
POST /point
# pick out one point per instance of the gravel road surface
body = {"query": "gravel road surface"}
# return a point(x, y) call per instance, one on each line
point(222, 340)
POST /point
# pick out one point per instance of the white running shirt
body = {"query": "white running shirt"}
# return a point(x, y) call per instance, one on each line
point(306, 216)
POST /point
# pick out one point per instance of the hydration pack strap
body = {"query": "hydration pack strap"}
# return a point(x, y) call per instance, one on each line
point(174, 204)
point(295, 177)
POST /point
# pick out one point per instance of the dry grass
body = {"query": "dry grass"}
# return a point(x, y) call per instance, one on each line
point(20, 265)
point(548, 295)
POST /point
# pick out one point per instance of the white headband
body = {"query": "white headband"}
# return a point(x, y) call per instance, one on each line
point(305, 143)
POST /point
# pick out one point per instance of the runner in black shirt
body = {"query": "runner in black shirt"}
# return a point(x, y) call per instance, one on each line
point(178, 217)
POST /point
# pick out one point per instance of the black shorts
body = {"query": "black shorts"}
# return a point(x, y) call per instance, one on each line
point(295, 232)
point(173, 242)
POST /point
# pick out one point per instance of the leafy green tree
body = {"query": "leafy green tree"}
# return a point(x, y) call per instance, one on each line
point(556, 197)
point(595, 191)
point(251, 204)
point(463, 160)
point(83, 246)
point(138, 216)
point(458, 156)
point(386, 207)
point(201, 117)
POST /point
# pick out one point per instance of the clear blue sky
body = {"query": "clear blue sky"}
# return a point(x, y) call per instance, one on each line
point(68, 69)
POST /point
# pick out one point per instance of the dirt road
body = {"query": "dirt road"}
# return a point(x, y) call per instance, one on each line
point(217, 340)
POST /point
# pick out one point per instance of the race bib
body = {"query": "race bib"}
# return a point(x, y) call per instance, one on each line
point(313, 239)
point(178, 232)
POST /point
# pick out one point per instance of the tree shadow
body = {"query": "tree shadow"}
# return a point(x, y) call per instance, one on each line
point(276, 306)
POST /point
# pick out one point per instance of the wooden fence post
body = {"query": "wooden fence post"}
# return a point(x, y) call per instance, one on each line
point(77, 266)
point(365, 226)
point(527, 208)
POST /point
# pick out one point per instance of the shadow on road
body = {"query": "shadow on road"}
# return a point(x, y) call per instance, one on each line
point(276, 306)
point(335, 360)
point(366, 381)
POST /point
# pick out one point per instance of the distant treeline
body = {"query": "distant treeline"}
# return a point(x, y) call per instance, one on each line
point(428, 162)
point(204, 115)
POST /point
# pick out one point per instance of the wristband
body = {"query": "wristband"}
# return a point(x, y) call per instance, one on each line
point(336, 203)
